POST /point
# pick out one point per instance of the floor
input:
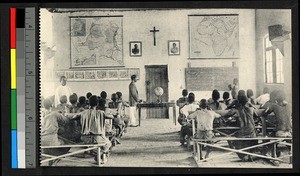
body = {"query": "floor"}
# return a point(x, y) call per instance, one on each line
point(156, 144)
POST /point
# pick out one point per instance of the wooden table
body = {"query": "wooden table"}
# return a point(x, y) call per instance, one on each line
point(155, 105)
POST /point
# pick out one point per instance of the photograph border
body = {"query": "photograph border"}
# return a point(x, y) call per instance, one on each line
point(169, 49)
point(130, 49)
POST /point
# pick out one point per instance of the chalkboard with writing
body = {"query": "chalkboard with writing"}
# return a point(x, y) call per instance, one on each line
point(209, 78)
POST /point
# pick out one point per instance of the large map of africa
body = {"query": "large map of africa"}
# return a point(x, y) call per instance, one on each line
point(214, 36)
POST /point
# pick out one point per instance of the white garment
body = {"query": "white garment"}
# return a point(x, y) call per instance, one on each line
point(263, 99)
point(60, 91)
point(188, 109)
point(132, 115)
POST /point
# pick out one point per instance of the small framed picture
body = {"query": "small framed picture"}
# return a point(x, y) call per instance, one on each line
point(174, 47)
point(135, 49)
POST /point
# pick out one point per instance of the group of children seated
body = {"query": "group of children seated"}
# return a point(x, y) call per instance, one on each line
point(242, 107)
point(83, 120)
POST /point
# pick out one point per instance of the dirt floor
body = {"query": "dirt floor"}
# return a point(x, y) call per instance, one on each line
point(156, 144)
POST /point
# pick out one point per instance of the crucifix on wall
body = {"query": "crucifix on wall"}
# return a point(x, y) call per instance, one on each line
point(154, 31)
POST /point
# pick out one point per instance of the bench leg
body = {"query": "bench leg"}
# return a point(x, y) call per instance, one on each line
point(99, 156)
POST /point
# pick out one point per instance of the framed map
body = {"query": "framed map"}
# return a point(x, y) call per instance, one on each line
point(213, 36)
point(96, 41)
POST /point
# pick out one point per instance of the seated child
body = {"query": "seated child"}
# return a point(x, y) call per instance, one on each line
point(92, 123)
point(283, 126)
point(190, 107)
point(215, 104)
point(226, 100)
point(113, 103)
point(103, 95)
point(262, 99)
point(49, 130)
point(82, 103)
point(71, 131)
point(182, 100)
point(63, 107)
point(88, 95)
point(250, 96)
point(121, 110)
point(245, 113)
point(73, 100)
point(283, 119)
point(204, 120)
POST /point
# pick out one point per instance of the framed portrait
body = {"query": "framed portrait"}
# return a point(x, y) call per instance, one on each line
point(173, 47)
point(135, 49)
point(96, 41)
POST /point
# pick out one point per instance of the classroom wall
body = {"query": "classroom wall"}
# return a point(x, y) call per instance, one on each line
point(172, 25)
point(265, 18)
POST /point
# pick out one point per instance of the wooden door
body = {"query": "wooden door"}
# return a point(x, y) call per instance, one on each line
point(157, 76)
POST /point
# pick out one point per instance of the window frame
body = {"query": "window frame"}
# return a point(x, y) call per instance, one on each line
point(274, 58)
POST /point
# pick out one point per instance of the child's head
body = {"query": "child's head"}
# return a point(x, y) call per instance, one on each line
point(103, 94)
point(119, 95)
point(73, 99)
point(184, 92)
point(63, 99)
point(215, 95)
point(243, 99)
point(88, 95)
point(93, 101)
point(266, 90)
point(191, 97)
point(273, 96)
point(47, 103)
point(235, 81)
point(226, 95)
point(203, 104)
point(102, 103)
point(250, 93)
point(280, 97)
point(114, 97)
point(241, 92)
point(82, 100)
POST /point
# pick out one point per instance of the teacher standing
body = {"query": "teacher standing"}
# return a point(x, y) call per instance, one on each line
point(133, 100)
point(61, 90)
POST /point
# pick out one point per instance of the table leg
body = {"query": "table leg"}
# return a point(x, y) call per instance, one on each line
point(199, 152)
point(99, 156)
point(174, 114)
point(264, 125)
point(140, 115)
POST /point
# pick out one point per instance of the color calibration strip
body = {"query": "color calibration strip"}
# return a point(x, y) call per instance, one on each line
point(13, 94)
point(17, 56)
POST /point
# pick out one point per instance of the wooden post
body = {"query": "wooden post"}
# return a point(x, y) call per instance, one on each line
point(139, 107)
point(174, 113)
point(264, 125)
point(99, 156)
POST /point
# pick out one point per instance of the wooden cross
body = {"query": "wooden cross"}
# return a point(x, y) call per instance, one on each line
point(154, 31)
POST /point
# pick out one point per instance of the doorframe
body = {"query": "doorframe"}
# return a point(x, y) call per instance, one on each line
point(158, 66)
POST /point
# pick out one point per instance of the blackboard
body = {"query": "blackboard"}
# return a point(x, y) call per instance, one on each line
point(209, 78)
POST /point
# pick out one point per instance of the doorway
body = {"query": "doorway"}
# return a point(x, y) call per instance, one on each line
point(157, 76)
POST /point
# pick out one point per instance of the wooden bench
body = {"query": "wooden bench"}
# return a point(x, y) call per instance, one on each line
point(87, 147)
point(263, 141)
